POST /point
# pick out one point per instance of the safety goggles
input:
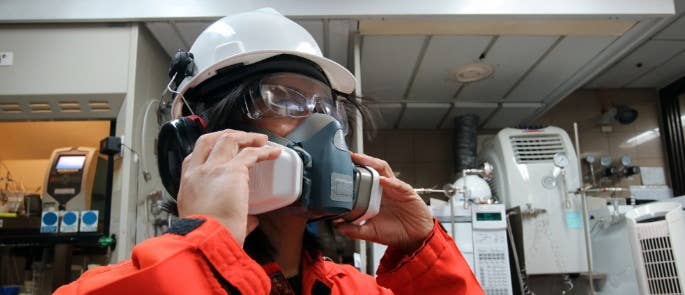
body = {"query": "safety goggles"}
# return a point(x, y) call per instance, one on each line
point(281, 95)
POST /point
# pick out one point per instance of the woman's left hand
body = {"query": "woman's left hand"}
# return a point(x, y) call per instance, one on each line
point(404, 220)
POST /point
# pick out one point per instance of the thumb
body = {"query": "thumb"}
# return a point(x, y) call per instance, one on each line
point(363, 232)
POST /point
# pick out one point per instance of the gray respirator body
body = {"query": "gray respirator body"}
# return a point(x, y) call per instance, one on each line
point(332, 186)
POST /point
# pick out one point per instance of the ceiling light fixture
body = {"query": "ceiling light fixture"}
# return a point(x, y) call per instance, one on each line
point(473, 72)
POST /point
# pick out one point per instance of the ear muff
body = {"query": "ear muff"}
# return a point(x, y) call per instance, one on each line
point(175, 142)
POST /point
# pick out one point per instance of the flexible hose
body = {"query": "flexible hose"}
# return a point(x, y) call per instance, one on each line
point(466, 140)
point(143, 136)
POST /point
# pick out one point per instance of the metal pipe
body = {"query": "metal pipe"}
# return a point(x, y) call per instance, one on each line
point(422, 191)
point(447, 192)
point(365, 248)
point(606, 189)
point(592, 173)
point(453, 222)
point(586, 226)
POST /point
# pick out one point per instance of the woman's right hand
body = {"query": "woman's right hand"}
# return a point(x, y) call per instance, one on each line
point(215, 178)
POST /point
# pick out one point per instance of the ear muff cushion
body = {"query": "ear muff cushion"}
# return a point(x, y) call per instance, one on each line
point(175, 142)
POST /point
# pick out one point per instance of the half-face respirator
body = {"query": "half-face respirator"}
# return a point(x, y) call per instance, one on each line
point(314, 169)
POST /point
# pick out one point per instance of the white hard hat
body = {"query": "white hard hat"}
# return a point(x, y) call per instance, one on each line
point(253, 36)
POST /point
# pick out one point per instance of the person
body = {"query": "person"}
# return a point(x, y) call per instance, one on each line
point(256, 77)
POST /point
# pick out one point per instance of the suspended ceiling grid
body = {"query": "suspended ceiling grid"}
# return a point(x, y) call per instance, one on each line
point(654, 64)
point(410, 77)
point(527, 68)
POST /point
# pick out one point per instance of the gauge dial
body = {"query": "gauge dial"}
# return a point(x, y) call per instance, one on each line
point(590, 159)
point(560, 160)
point(626, 160)
point(605, 161)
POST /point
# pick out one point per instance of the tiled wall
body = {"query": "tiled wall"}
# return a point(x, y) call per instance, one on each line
point(424, 158)
point(640, 140)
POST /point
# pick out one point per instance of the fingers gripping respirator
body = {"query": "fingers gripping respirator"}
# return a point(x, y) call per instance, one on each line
point(314, 169)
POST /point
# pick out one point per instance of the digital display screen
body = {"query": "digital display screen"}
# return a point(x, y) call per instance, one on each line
point(488, 216)
point(70, 162)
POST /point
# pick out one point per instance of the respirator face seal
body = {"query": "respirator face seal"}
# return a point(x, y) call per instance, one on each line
point(281, 95)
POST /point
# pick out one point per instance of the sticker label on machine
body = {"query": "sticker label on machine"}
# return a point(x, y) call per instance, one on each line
point(69, 222)
point(48, 222)
point(573, 219)
point(89, 221)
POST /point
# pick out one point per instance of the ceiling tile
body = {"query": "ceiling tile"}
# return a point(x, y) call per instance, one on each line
point(511, 56)
point(662, 75)
point(423, 115)
point(387, 64)
point(338, 40)
point(511, 115)
point(570, 54)
point(648, 56)
point(314, 27)
point(190, 30)
point(482, 109)
point(167, 36)
point(387, 114)
point(443, 55)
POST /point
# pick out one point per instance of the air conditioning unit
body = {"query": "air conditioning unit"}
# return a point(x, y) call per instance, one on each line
point(549, 231)
point(657, 237)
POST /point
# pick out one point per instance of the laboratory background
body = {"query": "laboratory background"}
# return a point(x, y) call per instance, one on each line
point(547, 137)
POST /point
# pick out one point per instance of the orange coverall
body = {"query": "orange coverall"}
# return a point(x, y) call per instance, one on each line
point(201, 257)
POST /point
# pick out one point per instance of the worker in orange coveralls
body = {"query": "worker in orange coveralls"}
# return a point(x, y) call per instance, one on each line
point(249, 79)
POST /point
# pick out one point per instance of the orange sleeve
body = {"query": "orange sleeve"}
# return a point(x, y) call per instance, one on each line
point(198, 255)
point(437, 267)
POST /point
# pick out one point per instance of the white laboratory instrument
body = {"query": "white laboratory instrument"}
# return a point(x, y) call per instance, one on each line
point(480, 234)
point(610, 248)
point(657, 236)
point(535, 169)
point(490, 251)
point(69, 180)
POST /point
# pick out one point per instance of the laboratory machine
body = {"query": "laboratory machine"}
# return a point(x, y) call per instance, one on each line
point(478, 226)
point(657, 237)
point(68, 183)
point(537, 177)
